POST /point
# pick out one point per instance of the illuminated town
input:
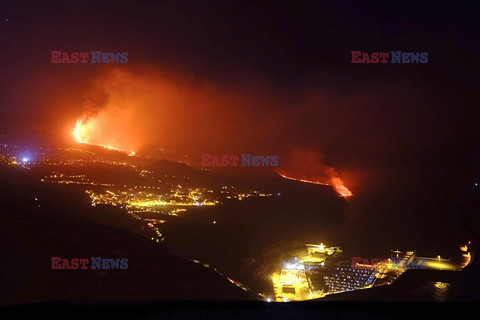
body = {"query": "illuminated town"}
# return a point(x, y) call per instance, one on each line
point(151, 195)
point(155, 198)
point(324, 271)
point(268, 159)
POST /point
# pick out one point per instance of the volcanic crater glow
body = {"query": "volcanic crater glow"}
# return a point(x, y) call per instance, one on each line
point(84, 133)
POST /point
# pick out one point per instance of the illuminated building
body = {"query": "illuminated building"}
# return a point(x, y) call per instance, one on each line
point(321, 272)
point(324, 271)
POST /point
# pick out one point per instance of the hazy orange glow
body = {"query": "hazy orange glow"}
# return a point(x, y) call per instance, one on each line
point(149, 111)
point(336, 183)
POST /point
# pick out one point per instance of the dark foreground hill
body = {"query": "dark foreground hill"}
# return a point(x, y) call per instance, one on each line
point(31, 232)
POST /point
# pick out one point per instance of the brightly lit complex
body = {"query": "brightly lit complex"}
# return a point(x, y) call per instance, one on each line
point(323, 271)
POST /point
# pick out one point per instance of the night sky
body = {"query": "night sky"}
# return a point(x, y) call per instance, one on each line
point(231, 77)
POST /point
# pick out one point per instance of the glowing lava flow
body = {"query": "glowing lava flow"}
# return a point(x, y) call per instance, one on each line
point(81, 136)
point(337, 184)
point(302, 180)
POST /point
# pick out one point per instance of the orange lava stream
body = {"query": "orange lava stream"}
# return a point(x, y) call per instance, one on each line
point(337, 184)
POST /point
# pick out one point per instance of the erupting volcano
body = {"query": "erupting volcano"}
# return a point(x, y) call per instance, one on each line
point(84, 132)
point(146, 110)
